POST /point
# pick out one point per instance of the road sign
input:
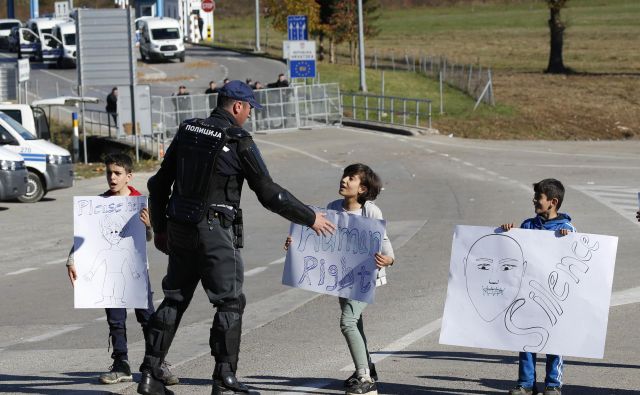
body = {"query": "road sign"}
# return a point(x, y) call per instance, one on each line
point(61, 9)
point(23, 70)
point(302, 59)
point(297, 27)
point(208, 5)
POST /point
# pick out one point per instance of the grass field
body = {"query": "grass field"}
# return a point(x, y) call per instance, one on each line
point(602, 45)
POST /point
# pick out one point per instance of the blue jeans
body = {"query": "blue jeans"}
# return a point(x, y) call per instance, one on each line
point(117, 320)
point(527, 370)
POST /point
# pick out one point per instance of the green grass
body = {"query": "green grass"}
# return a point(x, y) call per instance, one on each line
point(601, 35)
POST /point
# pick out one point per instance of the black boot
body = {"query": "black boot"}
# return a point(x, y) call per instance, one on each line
point(225, 381)
point(150, 385)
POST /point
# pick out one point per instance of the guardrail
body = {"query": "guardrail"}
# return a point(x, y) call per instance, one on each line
point(391, 110)
point(283, 108)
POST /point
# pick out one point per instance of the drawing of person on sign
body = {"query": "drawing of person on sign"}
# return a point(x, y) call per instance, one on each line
point(494, 268)
point(114, 259)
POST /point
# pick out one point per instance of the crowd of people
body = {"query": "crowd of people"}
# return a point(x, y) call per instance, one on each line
point(195, 218)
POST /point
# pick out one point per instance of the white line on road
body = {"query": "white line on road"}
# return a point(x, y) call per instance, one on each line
point(57, 261)
point(300, 152)
point(277, 261)
point(49, 335)
point(257, 270)
point(25, 270)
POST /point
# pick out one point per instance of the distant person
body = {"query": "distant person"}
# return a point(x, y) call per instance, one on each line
point(225, 81)
point(359, 186)
point(200, 26)
point(249, 82)
point(183, 104)
point(548, 195)
point(112, 107)
point(211, 90)
point(119, 172)
point(282, 82)
point(258, 85)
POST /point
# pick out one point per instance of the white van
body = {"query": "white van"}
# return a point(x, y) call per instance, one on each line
point(5, 29)
point(65, 34)
point(32, 118)
point(49, 166)
point(161, 38)
point(13, 175)
point(46, 50)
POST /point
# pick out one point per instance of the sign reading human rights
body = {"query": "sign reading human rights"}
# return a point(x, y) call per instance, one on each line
point(110, 252)
point(529, 290)
point(341, 264)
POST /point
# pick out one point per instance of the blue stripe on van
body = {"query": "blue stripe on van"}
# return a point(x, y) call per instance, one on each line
point(34, 157)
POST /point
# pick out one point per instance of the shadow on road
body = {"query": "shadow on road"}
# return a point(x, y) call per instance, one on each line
point(43, 384)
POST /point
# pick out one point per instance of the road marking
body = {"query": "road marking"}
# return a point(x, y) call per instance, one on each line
point(621, 199)
point(277, 261)
point(624, 297)
point(257, 270)
point(59, 76)
point(301, 152)
point(391, 349)
point(57, 261)
point(25, 270)
point(49, 335)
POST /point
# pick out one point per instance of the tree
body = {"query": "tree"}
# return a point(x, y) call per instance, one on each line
point(344, 23)
point(556, 30)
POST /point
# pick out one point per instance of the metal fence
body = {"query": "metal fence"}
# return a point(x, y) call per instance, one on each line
point(387, 109)
point(283, 108)
point(474, 80)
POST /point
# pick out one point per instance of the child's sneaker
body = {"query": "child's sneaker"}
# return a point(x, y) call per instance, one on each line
point(520, 390)
point(362, 386)
point(354, 376)
point(118, 372)
point(552, 391)
point(168, 378)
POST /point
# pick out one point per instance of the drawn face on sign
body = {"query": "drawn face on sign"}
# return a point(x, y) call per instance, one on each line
point(112, 228)
point(494, 268)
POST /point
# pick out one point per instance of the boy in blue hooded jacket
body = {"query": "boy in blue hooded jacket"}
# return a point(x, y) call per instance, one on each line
point(547, 199)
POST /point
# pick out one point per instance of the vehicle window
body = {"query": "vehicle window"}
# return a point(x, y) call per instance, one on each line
point(70, 39)
point(48, 31)
point(15, 114)
point(8, 25)
point(28, 36)
point(165, 34)
point(42, 125)
point(6, 138)
point(24, 133)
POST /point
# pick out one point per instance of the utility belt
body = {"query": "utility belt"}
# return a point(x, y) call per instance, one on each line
point(228, 216)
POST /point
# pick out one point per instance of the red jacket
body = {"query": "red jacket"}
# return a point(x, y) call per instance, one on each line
point(134, 192)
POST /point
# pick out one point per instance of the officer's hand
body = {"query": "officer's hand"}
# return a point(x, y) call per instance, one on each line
point(73, 276)
point(160, 241)
point(323, 225)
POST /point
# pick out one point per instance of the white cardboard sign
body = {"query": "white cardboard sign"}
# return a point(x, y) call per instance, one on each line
point(341, 264)
point(110, 252)
point(529, 290)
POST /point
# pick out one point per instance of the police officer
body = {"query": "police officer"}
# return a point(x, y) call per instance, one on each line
point(194, 203)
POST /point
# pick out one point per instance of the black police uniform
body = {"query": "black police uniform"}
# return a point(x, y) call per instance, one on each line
point(195, 199)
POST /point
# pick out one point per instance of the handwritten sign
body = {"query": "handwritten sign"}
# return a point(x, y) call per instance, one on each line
point(110, 252)
point(341, 264)
point(529, 290)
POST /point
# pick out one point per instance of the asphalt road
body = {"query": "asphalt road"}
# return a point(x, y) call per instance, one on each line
point(292, 341)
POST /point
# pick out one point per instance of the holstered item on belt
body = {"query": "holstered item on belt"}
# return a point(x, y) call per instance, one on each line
point(238, 241)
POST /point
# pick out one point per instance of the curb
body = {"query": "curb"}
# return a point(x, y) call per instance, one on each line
point(394, 129)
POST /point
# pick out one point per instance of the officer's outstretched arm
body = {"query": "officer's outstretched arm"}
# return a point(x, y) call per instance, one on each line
point(160, 188)
point(271, 195)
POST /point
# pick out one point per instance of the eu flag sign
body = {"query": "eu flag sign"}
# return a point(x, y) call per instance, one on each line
point(302, 59)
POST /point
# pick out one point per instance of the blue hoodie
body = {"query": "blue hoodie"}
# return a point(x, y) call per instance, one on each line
point(562, 221)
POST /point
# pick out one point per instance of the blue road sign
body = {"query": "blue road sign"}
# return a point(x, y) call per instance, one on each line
point(302, 68)
point(297, 27)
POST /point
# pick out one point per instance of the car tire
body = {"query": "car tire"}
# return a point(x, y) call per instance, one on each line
point(35, 189)
point(182, 59)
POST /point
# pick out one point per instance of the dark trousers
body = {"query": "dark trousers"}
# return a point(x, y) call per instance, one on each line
point(117, 320)
point(200, 253)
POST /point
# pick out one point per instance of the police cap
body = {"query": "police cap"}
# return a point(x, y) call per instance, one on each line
point(238, 90)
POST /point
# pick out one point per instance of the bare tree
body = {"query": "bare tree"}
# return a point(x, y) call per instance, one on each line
point(556, 30)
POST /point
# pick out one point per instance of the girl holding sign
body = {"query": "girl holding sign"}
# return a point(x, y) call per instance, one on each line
point(359, 186)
